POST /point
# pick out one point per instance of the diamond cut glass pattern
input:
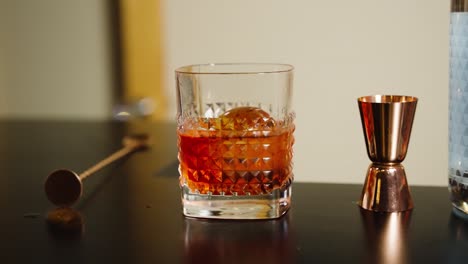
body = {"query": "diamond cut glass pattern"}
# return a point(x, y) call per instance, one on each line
point(234, 156)
point(458, 109)
point(235, 136)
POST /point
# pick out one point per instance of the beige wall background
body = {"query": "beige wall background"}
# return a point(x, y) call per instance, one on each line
point(341, 50)
point(54, 59)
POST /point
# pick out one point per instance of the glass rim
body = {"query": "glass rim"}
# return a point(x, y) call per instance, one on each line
point(263, 68)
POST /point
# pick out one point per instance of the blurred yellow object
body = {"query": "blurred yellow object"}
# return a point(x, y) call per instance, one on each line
point(143, 55)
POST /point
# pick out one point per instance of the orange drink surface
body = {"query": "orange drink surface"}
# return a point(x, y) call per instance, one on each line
point(242, 152)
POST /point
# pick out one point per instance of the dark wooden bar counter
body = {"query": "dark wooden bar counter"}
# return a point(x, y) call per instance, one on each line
point(131, 211)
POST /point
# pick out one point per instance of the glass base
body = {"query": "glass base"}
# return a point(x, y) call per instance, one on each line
point(461, 207)
point(457, 211)
point(458, 189)
point(268, 206)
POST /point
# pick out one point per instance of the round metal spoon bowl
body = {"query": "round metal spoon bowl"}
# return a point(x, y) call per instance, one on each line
point(64, 187)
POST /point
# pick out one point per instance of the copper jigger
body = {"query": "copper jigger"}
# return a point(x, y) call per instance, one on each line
point(387, 121)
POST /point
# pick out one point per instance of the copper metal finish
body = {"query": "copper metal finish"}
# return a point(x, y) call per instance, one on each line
point(386, 189)
point(64, 187)
point(386, 121)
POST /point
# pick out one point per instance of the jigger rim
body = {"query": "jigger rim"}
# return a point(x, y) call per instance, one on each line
point(387, 99)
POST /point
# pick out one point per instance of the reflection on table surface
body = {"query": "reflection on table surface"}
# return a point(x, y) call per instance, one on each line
point(386, 236)
point(131, 212)
point(458, 230)
point(214, 241)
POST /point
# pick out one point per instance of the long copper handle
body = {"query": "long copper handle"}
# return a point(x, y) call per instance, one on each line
point(113, 157)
